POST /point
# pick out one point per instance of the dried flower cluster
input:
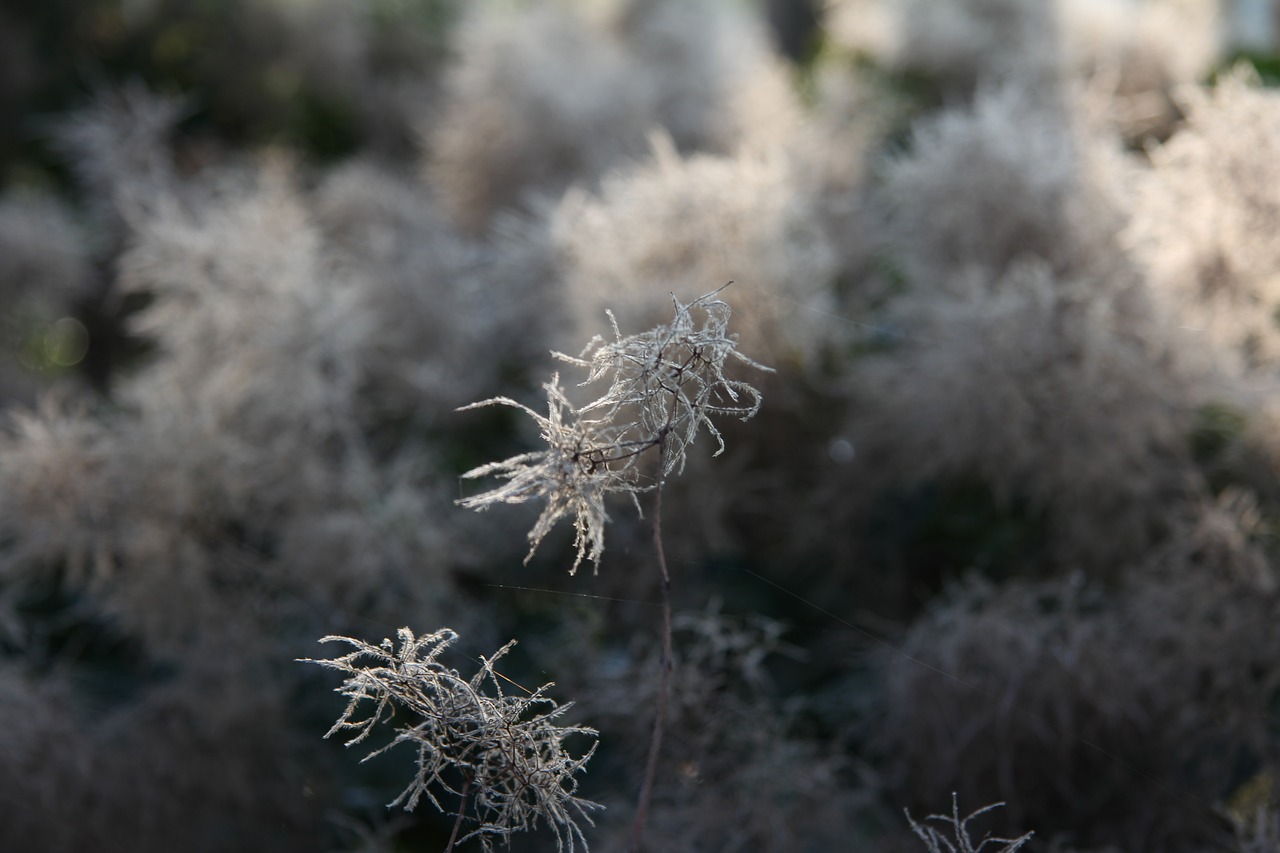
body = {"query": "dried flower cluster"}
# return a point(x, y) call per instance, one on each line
point(664, 387)
point(501, 755)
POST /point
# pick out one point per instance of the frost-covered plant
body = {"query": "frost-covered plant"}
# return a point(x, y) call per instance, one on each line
point(958, 840)
point(500, 754)
point(664, 387)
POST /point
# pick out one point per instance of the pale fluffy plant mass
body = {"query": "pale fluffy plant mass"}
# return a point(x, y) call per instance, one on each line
point(544, 97)
point(1204, 219)
point(748, 217)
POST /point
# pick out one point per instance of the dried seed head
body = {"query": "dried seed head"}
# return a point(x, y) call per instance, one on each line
point(664, 386)
point(502, 756)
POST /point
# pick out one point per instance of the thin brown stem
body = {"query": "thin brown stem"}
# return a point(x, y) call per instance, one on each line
point(664, 678)
point(462, 810)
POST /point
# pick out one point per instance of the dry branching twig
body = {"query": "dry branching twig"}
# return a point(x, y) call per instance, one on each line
point(959, 840)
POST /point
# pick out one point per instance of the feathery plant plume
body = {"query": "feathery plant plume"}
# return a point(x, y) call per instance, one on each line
point(671, 378)
point(939, 842)
point(501, 756)
point(664, 387)
point(572, 474)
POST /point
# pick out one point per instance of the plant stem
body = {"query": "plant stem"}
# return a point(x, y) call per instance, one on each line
point(462, 810)
point(664, 678)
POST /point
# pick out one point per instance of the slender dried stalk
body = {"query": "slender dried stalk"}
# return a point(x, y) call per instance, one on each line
point(664, 681)
point(462, 813)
